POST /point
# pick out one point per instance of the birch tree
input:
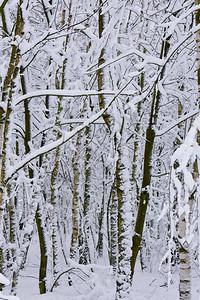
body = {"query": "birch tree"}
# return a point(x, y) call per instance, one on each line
point(8, 85)
point(186, 179)
point(97, 92)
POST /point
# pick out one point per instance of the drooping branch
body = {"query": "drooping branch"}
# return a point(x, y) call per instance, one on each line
point(65, 137)
point(71, 93)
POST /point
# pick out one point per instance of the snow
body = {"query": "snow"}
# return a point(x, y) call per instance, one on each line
point(8, 297)
point(175, 123)
point(173, 24)
point(149, 59)
point(146, 286)
point(66, 135)
point(69, 93)
point(100, 285)
point(4, 280)
point(163, 212)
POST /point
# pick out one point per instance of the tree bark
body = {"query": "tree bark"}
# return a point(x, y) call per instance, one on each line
point(84, 253)
point(7, 91)
point(146, 179)
point(75, 200)
point(123, 282)
point(184, 246)
point(43, 250)
point(100, 74)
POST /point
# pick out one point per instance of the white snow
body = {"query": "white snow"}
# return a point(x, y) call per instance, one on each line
point(8, 297)
point(4, 280)
point(69, 93)
point(149, 59)
point(146, 286)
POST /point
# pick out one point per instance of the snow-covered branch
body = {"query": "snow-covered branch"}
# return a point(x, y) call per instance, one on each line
point(67, 122)
point(65, 137)
point(175, 123)
point(49, 147)
point(148, 59)
point(70, 93)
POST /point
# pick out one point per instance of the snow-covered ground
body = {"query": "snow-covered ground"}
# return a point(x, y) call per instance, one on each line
point(98, 284)
point(101, 287)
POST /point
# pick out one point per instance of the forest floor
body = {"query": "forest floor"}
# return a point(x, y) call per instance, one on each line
point(99, 284)
point(101, 287)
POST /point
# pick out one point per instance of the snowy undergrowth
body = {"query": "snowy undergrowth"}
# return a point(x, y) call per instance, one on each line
point(100, 286)
point(95, 282)
point(6, 282)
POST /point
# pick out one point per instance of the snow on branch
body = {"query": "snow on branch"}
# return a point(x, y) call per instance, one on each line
point(5, 281)
point(70, 93)
point(175, 123)
point(66, 122)
point(49, 147)
point(148, 59)
point(184, 178)
point(67, 135)
point(188, 149)
point(172, 24)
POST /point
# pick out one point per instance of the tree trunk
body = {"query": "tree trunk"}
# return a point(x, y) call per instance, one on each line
point(43, 250)
point(54, 212)
point(184, 246)
point(59, 84)
point(101, 215)
point(7, 91)
point(84, 255)
point(113, 233)
point(39, 223)
point(75, 200)
point(146, 179)
point(184, 263)
point(123, 282)
point(100, 74)
point(144, 196)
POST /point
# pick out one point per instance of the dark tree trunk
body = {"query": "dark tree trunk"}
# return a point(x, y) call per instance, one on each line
point(43, 250)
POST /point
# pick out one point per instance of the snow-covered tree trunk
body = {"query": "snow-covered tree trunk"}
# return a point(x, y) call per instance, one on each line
point(54, 200)
point(123, 282)
point(100, 243)
point(187, 206)
point(39, 218)
point(197, 2)
point(147, 167)
point(59, 84)
point(84, 252)
point(36, 194)
point(101, 60)
point(197, 15)
point(5, 113)
point(76, 198)
point(113, 230)
point(184, 263)
point(13, 243)
point(185, 176)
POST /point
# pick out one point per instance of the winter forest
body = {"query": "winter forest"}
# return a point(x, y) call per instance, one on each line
point(99, 149)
